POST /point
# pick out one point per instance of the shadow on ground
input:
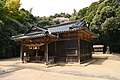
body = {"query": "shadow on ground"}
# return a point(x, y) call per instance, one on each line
point(99, 59)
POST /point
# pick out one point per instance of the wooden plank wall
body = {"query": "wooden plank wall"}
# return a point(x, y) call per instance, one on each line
point(85, 50)
point(64, 50)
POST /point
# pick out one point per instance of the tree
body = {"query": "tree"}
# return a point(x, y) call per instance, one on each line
point(11, 8)
point(13, 21)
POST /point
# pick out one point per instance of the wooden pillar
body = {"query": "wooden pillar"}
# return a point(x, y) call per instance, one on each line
point(21, 52)
point(36, 52)
point(84, 50)
point(46, 52)
point(78, 50)
point(55, 49)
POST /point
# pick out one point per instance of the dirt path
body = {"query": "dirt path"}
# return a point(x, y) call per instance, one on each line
point(105, 68)
point(41, 75)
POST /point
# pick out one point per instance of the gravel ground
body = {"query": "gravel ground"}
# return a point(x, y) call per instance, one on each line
point(106, 67)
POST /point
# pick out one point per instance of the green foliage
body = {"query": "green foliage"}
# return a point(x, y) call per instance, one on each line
point(82, 12)
point(66, 15)
point(107, 12)
point(45, 21)
point(1, 4)
point(118, 11)
point(13, 21)
point(104, 19)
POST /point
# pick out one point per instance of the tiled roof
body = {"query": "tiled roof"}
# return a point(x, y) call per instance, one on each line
point(28, 36)
point(67, 26)
point(53, 29)
point(60, 28)
point(32, 36)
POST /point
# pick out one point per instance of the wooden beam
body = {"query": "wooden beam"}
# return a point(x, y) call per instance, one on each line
point(21, 52)
point(78, 50)
point(46, 53)
point(55, 48)
point(36, 52)
point(41, 44)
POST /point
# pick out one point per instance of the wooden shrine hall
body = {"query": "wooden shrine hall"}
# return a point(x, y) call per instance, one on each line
point(68, 42)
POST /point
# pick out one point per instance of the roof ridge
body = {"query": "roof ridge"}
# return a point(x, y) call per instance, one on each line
point(60, 24)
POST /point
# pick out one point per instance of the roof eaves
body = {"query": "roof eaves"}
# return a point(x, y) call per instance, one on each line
point(28, 36)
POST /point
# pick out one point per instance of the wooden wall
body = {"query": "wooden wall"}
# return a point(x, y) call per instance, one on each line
point(66, 50)
point(85, 50)
point(63, 49)
point(51, 49)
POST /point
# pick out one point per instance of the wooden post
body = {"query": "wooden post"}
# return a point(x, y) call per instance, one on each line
point(46, 52)
point(55, 48)
point(78, 50)
point(83, 49)
point(36, 52)
point(21, 52)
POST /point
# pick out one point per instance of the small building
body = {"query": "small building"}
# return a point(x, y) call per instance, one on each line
point(98, 48)
point(68, 42)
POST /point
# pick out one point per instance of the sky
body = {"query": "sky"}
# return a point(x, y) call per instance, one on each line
point(50, 7)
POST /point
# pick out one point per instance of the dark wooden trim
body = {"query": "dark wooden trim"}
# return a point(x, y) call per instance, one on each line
point(66, 39)
point(71, 55)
